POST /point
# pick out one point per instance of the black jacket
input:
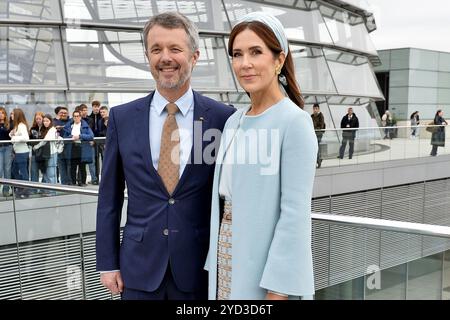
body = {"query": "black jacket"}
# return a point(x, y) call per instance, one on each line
point(349, 123)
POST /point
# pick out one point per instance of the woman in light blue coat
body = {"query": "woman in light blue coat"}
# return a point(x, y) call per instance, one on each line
point(260, 245)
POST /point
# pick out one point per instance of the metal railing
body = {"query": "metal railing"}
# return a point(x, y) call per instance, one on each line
point(349, 221)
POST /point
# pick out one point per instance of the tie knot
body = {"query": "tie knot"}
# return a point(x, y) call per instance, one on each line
point(172, 108)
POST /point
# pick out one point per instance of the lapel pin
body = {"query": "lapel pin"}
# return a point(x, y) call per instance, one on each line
point(201, 119)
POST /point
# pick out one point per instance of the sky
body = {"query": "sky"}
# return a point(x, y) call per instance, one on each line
point(421, 24)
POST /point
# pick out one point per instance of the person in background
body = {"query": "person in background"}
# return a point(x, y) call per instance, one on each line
point(5, 149)
point(63, 168)
point(103, 125)
point(95, 127)
point(349, 121)
point(91, 165)
point(79, 151)
point(19, 137)
point(50, 133)
point(438, 135)
point(36, 133)
point(319, 126)
point(415, 122)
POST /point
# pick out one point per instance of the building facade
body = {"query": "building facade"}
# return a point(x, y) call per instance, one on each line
point(414, 80)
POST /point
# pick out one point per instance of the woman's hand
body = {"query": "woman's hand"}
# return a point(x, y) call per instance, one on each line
point(273, 296)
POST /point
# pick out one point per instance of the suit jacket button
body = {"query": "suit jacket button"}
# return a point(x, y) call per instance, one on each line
point(166, 232)
point(171, 201)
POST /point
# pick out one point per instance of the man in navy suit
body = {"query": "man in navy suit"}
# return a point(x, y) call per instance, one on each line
point(165, 239)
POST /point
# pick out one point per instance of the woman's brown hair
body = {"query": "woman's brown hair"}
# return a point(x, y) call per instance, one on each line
point(271, 41)
point(44, 128)
point(40, 114)
point(19, 117)
point(6, 121)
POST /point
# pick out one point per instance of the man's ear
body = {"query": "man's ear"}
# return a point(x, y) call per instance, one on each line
point(195, 57)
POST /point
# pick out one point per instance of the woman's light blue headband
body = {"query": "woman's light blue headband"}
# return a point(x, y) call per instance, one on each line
point(273, 23)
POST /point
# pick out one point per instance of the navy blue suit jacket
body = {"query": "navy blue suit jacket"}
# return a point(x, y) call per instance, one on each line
point(145, 252)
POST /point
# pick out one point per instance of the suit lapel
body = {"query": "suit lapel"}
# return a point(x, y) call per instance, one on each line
point(201, 115)
point(143, 133)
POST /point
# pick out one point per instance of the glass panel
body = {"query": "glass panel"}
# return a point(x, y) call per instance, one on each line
point(399, 59)
point(283, 2)
point(444, 61)
point(393, 285)
point(9, 262)
point(31, 56)
point(446, 275)
point(312, 71)
point(444, 80)
point(423, 78)
point(443, 96)
point(30, 10)
point(347, 29)
point(49, 245)
point(102, 59)
point(239, 100)
point(99, 59)
point(106, 99)
point(32, 102)
point(206, 14)
point(352, 74)
point(93, 287)
point(425, 278)
point(330, 137)
point(212, 70)
point(423, 95)
point(424, 59)
point(350, 290)
point(304, 24)
point(398, 78)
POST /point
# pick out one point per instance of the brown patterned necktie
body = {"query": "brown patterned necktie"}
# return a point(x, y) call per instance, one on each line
point(169, 155)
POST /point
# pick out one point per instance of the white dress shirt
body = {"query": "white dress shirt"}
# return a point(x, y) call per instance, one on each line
point(185, 121)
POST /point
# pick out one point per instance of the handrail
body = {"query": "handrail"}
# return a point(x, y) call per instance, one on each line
point(421, 229)
point(382, 128)
point(51, 140)
point(349, 221)
point(319, 130)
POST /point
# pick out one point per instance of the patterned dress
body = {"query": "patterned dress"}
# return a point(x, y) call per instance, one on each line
point(224, 255)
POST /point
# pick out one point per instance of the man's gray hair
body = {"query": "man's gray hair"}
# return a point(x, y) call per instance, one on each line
point(173, 20)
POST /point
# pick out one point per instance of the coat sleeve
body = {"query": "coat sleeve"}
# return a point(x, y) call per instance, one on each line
point(87, 135)
point(110, 202)
point(288, 267)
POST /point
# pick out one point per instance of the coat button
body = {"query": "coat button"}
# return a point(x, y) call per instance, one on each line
point(171, 201)
point(166, 232)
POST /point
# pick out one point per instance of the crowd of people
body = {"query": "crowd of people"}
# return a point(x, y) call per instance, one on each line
point(63, 158)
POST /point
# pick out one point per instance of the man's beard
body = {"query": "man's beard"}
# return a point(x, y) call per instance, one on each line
point(169, 84)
